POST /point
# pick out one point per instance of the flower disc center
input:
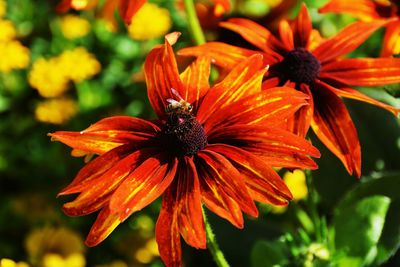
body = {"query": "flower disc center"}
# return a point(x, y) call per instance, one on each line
point(183, 134)
point(300, 66)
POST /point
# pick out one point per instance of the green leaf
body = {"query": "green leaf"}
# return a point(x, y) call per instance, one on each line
point(269, 253)
point(358, 227)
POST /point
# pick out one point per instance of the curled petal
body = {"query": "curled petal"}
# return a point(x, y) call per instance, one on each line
point(363, 71)
point(333, 126)
point(263, 183)
point(346, 40)
point(366, 10)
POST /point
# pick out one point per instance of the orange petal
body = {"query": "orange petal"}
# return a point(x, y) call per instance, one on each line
point(286, 34)
point(302, 28)
point(346, 40)
point(128, 8)
point(354, 94)
point(145, 184)
point(236, 85)
point(366, 10)
point(271, 106)
point(256, 35)
point(223, 55)
point(227, 178)
point(363, 71)
point(195, 81)
point(391, 40)
point(263, 183)
point(167, 232)
point(105, 223)
point(162, 75)
point(333, 126)
point(102, 186)
point(188, 203)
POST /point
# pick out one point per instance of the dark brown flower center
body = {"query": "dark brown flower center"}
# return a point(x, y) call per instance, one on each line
point(300, 66)
point(182, 134)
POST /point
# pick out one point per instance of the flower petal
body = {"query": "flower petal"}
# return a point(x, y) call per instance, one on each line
point(105, 223)
point(255, 34)
point(188, 204)
point(354, 94)
point(221, 54)
point(346, 40)
point(363, 71)
point(167, 232)
point(227, 178)
point(162, 75)
point(286, 35)
point(236, 85)
point(366, 10)
point(143, 185)
point(333, 126)
point(128, 8)
point(391, 40)
point(273, 105)
point(108, 134)
point(195, 81)
point(302, 28)
point(263, 183)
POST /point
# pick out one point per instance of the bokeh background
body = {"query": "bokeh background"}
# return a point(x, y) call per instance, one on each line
point(66, 71)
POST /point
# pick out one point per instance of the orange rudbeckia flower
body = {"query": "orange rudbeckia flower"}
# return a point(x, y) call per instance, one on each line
point(369, 10)
point(298, 58)
point(215, 146)
point(127, 8)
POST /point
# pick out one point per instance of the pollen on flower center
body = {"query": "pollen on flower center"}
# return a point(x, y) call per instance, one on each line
point(183, 134)
point(300, 66)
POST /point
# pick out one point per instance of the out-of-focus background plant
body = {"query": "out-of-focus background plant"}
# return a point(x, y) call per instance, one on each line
point(66, 71)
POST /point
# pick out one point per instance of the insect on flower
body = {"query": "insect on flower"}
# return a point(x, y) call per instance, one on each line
point(180, 105)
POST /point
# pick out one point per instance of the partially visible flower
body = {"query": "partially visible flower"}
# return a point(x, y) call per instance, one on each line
point(10, 263)
point(150, 22)
point(7, 30)
point(48, 78)
point(373, 10)
point(300, 59)
point(56, 110)
point(78, 64)
point(13, 56)
point(3, 8)
point(216, 146)
point(48, 246)
point(73, 26)
point(65, 5)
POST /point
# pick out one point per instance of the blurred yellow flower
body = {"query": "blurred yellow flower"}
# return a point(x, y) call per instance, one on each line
point(74, 26)
point(150, 22)
point(13, 56)
point(48, 78)
point(10, 263)
point(3, 8)
point(296, 181)
point(78, 64)
point(7, 30)
point(55, 260)
point(56, 110)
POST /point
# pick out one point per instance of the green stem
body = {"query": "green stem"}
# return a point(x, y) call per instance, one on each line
point(194, 24)
point(213, 246)
point(312, 203)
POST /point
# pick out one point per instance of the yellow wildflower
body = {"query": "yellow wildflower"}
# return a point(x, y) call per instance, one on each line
point(83, 4)
point(13, 56)
point(55, 260)
point(78, 64)
point(74, 26)
point(10, 263)
point(56, 110)
point(7, 30)
point(150, 22)
point(3, 8)
point(47, 77)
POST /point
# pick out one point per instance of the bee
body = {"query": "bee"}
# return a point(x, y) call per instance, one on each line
point(175, 105)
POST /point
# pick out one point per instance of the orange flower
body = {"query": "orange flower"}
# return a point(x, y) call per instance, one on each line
point(316, 67)
point(369, 10)
point(217, 151)
point(127, 8)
